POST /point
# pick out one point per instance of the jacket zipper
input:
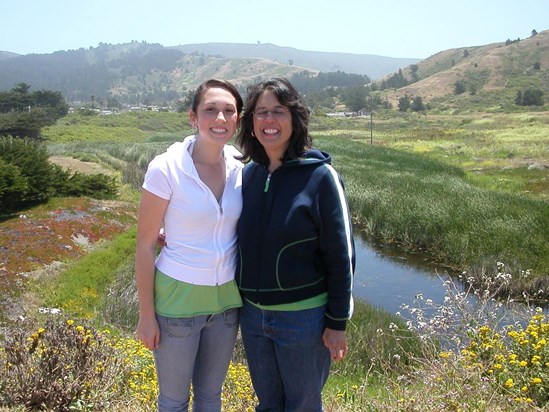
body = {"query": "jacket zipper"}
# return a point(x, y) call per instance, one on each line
point(267, 182)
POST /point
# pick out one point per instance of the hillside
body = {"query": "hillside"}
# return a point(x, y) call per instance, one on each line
point(488, 71)
point(367, 64)
point(144, 73)
point(131, 73)
point(151, 73)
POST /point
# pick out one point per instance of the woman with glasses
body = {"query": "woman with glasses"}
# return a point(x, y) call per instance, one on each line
point(188, 299)
point(296, 253)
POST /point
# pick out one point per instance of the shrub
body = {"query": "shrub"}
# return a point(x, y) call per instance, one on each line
point(459, 87)
point(27, 176)
point(31, 158)
point(529, 97)
point(70, 366)
point(62, 366)
point(516, 362)
point(12, 185)
point(99, 186)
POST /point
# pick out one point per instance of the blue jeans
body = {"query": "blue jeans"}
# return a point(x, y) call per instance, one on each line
point(194, 350)
point(288, 361)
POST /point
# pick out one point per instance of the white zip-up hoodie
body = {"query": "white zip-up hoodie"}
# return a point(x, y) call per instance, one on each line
point(200, 232)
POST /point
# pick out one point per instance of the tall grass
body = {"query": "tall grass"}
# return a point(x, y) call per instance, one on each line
point(123, 127)
point(421, 203)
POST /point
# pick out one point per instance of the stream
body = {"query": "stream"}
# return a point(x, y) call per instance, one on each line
point(389, 278)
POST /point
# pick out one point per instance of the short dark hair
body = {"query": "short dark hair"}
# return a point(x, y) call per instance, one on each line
point(289, 97)
point(216, 83)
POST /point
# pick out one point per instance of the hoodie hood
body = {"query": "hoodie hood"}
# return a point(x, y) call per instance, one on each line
point(313, 156)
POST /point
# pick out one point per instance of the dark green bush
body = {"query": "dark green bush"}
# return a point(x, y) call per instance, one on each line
point(99, 186)
point(12, 185)
point(27, 176)
point(31, 159)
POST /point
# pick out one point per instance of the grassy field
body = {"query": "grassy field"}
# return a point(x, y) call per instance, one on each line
point(471, 190)
point(457, 187)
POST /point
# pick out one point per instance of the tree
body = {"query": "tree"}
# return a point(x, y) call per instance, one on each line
point(534, 32)
point(413, 72)
point(355, 98)
point(185, 104)
point(459, 87)
point(23, 114)
point(404, 103)
point(529, 97)
point(417, 104)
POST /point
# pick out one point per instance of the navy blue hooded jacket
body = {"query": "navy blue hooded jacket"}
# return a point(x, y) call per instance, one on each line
point(295, 236)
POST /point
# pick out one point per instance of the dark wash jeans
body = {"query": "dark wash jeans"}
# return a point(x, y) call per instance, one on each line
point(288, 361)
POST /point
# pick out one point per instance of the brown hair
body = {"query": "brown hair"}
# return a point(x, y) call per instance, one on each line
point(216, 83)
point(288, 96)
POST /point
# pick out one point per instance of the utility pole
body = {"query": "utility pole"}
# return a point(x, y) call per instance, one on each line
point(370, 106)
point(371, 126)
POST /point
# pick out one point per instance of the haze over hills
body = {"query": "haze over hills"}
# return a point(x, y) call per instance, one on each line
point(368, 64)
point(133, 71)
point(141, 72)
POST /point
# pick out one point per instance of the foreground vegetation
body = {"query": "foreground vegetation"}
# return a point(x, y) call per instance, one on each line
point(425, 183)
point(392, 366)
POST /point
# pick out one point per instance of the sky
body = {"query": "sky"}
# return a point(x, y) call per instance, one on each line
point(391, 28)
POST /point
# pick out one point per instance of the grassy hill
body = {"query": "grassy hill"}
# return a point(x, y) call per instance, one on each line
point(150, 73)
point(492, 74)
point(366, 64)
point(132, 73)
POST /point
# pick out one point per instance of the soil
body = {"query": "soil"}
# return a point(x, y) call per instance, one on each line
point(79, 166)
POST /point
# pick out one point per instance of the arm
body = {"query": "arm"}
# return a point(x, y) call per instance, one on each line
point(337, 247)
point(151, 215)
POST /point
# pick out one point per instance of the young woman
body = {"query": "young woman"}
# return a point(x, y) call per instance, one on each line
point(188, 299)
point(296, 253)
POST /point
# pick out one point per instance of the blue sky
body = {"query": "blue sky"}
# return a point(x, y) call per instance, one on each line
point(393, 28)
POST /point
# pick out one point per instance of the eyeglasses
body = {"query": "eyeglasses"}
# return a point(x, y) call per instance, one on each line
point(276, 113)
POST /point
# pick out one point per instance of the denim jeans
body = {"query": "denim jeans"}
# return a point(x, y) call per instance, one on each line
point(288, 361)
point(194, 350)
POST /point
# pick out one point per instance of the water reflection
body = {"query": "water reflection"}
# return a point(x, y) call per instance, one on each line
point(387, 278)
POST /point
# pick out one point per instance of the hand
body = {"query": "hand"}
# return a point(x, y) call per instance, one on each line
point(148, 333)
point(336, 342)
point(161, 241)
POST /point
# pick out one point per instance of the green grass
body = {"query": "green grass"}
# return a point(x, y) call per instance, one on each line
point(80, 288)
point(457, 186)
point(124, 127)
point(454, 185)
point(410, 199)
